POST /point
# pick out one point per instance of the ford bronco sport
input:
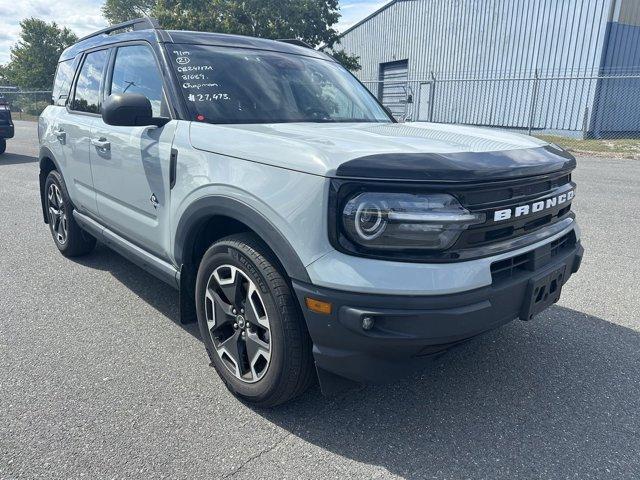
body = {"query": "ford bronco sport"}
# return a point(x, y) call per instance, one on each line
point(309, 234)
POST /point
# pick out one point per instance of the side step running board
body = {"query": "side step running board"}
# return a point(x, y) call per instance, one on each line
point(145, 260)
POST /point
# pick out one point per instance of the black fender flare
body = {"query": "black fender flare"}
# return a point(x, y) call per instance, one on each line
point(45, 153)
point(204, 208)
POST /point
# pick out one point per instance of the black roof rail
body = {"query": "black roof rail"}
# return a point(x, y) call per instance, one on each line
point(295, 41)
point(145, 23)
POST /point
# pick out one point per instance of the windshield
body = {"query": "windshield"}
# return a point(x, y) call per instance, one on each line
point(235, 85)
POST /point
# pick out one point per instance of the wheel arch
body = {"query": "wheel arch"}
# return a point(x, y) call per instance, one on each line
point(235, 216)
point(47, 164)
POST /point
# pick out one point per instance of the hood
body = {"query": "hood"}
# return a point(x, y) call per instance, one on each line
point(408, 151)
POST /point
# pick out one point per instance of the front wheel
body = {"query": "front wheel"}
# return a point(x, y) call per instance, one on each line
point(250, 323)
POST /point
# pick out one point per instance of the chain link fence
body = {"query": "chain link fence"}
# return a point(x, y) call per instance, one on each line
point(599, 114)
point(26, 105)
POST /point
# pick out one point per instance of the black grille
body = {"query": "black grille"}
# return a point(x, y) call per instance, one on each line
point(489, 200)
point(507, 268)
point(513, 192)
point(533, 260)
point(563, 243)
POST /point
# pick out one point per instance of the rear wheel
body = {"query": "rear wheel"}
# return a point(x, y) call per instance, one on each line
point(3, 145)
point(251, 326)
point(70, 239)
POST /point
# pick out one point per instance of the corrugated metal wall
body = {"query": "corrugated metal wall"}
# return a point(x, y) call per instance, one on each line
point(617, 101)
point(485, 54)
point(482, 38)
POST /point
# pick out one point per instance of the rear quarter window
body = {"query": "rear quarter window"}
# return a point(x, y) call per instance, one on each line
point(62, 81)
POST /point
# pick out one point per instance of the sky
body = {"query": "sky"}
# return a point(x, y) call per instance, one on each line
point(83, 16)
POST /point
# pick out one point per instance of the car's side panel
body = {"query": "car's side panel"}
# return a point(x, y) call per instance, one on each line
point(50, 143)
point(75, 143)
point(131, 181)
point(67, 136)
point(284, 206)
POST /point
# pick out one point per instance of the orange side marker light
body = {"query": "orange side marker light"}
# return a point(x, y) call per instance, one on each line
point(318, 306)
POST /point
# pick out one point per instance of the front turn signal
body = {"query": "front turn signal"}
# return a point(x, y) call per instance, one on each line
point(318, 306)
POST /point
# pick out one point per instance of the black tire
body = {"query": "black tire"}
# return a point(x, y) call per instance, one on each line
point(290, 370)
point(3, 145)
point(75, 241)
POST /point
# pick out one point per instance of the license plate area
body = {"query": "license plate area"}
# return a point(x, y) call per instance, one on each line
point(543, 290)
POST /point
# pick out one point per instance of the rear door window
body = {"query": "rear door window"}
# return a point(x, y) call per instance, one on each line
point(135, 71)
point(87, 95)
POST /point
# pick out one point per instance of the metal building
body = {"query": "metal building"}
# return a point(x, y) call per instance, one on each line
point(568, 65)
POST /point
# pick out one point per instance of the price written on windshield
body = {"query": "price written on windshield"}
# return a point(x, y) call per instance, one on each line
point(208, 97)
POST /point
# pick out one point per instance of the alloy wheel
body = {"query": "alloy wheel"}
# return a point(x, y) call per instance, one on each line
point(57, 214)
point(238, 323)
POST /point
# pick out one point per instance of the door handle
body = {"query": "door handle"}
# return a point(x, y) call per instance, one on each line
point(60, 134)
point(101, 144)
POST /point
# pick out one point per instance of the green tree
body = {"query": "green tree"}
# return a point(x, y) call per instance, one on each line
point(118, 11)
point(35, 56)
point(309, 20)
point(351, 62)
point(3, 76)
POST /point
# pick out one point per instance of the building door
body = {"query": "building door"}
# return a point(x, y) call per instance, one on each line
point(392, 89)
point(424, 102)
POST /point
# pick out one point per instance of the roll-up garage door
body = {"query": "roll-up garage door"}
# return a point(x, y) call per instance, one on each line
point(392, 90)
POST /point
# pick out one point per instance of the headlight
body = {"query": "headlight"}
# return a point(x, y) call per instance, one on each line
point(383, 221)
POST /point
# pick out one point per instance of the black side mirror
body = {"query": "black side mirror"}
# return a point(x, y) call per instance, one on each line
point(130, 110)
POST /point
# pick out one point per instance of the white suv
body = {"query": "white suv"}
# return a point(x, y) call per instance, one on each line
point(309, 234)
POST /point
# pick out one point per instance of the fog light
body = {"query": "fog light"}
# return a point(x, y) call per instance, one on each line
point(318, 306)
point(367, 323)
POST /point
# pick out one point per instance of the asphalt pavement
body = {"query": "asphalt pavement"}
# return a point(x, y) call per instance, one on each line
point(98, 379)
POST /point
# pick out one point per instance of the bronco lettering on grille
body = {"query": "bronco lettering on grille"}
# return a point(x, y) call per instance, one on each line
point(521, 210)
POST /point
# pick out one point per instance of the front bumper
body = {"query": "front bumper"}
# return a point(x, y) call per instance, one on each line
point(6, 131)
point(408, 328)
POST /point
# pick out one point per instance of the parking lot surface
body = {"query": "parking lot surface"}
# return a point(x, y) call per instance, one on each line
point(99, 379)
